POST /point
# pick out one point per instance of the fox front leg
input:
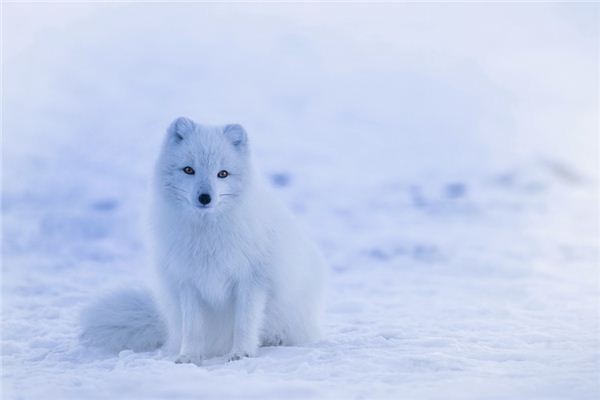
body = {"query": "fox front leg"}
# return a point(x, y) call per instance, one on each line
point(191, 328)
point(248, 318)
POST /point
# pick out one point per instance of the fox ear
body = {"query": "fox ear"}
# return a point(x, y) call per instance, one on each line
point(236, 135)
point(180, 128)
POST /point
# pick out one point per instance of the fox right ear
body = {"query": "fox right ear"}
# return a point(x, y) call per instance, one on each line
point(180, 128)
point(236, 134)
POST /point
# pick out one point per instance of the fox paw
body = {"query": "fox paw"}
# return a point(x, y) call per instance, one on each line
point(236, 355)
point(187, 359)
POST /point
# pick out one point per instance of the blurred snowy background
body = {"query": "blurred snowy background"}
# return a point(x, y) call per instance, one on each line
point(444, 156)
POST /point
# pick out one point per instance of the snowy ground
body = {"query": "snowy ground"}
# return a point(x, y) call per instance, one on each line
point(444, 156)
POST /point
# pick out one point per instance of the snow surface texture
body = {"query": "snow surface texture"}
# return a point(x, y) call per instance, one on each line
point(444, 157)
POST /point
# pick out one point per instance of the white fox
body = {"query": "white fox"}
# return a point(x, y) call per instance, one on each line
point(235, 271)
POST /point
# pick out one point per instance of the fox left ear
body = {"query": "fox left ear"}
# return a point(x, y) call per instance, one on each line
point(236, 134)
point(180, 128)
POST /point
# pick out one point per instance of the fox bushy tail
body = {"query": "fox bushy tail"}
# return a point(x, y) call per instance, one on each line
point(124, 319)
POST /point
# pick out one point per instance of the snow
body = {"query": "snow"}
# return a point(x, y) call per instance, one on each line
point(444, 157)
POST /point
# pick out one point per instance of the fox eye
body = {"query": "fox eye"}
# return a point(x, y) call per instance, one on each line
point(189, 170)
point(223, 174)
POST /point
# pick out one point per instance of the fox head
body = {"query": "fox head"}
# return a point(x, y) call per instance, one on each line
point(202, 167)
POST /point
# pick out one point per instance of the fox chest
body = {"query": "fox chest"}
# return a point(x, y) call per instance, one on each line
point(214, 265)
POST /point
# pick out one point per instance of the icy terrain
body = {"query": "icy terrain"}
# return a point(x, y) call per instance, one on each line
point(443, 156)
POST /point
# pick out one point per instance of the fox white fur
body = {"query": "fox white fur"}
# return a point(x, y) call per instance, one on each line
point(235, 273)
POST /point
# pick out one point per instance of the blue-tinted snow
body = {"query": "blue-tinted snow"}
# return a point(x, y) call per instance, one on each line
point(444, 157)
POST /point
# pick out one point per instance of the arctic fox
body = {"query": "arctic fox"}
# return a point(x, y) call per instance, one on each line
point(234, 270)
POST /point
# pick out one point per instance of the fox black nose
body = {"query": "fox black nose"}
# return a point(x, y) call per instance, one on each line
point(204, 199)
